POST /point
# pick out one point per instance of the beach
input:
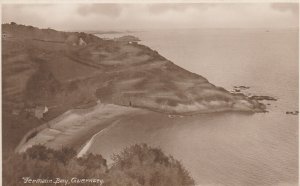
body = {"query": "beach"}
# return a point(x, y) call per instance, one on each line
point(75, 127)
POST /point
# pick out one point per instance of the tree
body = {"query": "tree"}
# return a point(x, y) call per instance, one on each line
point(64, 155)
point(136, 165)
point(143, 165)
point(91, 161)
point(39, 152)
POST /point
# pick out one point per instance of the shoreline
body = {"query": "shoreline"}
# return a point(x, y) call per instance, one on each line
point(86, 147)
point(77, 128)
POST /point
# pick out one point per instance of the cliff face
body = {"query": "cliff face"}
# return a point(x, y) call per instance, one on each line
point(40, 66)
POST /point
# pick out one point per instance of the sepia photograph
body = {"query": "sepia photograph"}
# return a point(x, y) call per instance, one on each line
point(150, 93)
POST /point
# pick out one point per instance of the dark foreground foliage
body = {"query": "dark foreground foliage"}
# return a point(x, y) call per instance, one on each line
point(137, 165)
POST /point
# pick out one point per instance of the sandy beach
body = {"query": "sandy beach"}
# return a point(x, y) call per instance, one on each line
point(75, 127)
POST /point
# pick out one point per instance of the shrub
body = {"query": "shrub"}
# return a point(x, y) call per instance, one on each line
point(39, 152)
point(64, 155)
point(91, 161)
point(136, 165)
point(143, 165)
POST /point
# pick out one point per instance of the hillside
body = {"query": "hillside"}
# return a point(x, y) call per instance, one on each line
point(65, 70)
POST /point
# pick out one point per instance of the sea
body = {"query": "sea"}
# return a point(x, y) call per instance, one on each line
point(230, 149)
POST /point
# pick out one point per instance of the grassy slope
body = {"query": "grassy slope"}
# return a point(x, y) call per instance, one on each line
point(39, 67)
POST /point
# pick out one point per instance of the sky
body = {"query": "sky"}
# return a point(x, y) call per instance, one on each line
point(153, 16)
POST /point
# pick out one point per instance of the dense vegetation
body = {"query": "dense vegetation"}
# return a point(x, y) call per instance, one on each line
point(136, 165)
